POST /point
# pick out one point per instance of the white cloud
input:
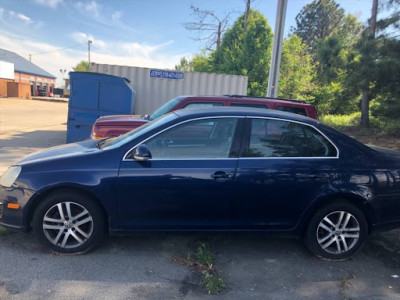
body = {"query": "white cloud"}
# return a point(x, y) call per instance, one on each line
point(13, 20)
point(81, 37)
point(49, 3)
point(24, 18)
point(120, 48)
point(106, 52)
point(91, 7)
point(116, 15)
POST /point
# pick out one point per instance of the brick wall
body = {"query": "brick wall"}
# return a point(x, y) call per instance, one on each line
point(20, 90)
point(3, 86)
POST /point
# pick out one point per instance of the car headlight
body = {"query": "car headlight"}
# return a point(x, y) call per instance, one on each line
point(9, 177)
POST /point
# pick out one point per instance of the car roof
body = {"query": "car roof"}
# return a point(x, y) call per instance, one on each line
point(250, 99)
point(241, 111)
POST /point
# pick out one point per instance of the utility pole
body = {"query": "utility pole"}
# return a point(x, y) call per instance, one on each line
point(277, 49)
point(365, 93)
point(88, 44)
point(246, 18)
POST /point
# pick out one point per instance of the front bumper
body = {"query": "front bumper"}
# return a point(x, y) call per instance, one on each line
point(15, 218)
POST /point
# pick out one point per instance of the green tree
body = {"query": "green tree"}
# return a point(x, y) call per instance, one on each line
point(202, 63)
point(318, 20)
point(296, 71)
point(334, 54)
point(247, 51)
point(184, 65)
point(384, 72)
point(83, 66)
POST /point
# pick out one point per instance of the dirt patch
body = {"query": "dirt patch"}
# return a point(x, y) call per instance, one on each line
point(371, 137)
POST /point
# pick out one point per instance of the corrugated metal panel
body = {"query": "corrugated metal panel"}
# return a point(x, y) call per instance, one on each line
point(151, 93)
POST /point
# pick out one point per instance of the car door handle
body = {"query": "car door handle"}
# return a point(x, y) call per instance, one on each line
point(221, 175)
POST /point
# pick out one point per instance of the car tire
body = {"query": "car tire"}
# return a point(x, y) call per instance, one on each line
point(336, 231)
point(68, 222)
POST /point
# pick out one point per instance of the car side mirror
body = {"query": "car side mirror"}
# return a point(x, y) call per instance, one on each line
point(142, 153)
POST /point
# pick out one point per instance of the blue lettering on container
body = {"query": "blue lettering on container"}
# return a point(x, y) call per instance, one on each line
point(166, 74)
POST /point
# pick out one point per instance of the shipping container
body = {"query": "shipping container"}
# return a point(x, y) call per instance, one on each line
point(154, 87)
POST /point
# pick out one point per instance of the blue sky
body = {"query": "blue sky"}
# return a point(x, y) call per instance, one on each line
point(125, 32)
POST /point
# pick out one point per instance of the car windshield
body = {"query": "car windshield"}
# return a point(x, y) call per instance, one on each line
point(165, 108)
point(118, 141)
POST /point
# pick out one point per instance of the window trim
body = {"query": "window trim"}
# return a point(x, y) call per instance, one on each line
point(289, 157)
point(177, 124)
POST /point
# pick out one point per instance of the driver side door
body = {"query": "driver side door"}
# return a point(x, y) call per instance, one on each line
point(188, 181)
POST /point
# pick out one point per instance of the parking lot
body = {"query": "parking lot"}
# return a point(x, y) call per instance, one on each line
point(140, 267)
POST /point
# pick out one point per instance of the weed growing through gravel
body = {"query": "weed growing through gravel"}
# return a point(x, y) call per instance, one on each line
point(203, 262)
point(213, 283)
point(3, 232)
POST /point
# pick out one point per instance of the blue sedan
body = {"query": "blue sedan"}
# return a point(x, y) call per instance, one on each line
point(219, 169)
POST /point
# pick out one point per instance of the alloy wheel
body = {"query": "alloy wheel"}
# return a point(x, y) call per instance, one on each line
point(338, 232)
point(67, 225)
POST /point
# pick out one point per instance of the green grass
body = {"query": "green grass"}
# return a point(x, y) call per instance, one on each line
point(202, 261)
point(204, 255)
point(213, 283)
point(3, 232)
point(380, 125)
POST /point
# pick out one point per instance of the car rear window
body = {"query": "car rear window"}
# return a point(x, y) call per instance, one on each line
point(295, 110)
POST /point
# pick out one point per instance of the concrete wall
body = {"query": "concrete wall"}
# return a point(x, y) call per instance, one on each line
point(19, 90)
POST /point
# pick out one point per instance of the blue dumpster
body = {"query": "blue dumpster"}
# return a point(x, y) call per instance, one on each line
point(94, 95)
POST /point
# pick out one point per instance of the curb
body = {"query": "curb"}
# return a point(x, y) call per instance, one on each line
point(51, 99)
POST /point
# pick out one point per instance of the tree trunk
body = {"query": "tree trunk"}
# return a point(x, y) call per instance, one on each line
point(219, 34)
point(365, 109)
point(365, 92)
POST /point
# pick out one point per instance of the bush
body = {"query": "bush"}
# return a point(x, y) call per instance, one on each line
point(341, 121)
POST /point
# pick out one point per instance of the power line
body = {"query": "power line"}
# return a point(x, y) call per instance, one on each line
point(23, 53)
point(60, 49)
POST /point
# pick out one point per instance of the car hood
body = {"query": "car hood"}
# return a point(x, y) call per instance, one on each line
point(66, 150)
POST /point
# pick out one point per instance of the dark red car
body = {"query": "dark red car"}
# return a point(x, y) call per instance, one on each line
point(109, 126)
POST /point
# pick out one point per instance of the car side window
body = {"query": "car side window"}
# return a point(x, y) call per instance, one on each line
point(250, 105)
point(319, 145)
point(276, 138)
point(204, 104)
point(207, 138)
point(295, 110)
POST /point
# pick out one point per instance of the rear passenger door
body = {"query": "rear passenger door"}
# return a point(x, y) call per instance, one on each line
point(283, 167)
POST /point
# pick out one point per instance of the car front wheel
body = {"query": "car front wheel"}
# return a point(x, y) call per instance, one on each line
point(68, 222)
point(336, 231)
